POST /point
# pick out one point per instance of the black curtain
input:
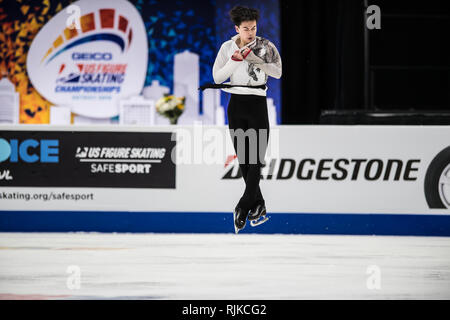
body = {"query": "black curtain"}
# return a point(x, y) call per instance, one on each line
point(322, 45)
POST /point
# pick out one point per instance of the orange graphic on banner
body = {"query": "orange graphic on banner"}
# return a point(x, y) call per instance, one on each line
point(17, 30)
point(87, 22)
point(107, 18)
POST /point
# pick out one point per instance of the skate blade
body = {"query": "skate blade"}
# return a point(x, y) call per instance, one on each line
point(263, 214)
point(255, 223)
point(236, 229)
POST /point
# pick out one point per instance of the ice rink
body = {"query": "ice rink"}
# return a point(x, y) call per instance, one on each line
point(222, 266)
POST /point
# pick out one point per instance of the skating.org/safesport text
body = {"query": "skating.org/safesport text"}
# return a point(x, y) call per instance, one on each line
point(46, 196)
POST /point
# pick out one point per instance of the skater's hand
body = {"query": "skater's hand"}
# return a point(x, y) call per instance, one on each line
point(253, 58)
point(237, 55)
point(245, 52)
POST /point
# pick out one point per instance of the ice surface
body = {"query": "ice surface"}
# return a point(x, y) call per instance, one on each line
point(223, 266)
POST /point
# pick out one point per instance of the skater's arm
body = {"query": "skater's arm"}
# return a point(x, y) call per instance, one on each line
point(273, 67)
point(224, 66)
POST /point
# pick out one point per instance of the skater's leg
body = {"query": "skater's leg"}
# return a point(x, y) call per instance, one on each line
point(259, 197)
point(238, 124)
point(259, 122)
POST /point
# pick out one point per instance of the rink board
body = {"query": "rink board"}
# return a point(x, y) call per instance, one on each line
point(317, 179)
point(194, 222)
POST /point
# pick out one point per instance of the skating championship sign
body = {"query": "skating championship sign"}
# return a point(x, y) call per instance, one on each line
point(89, 55)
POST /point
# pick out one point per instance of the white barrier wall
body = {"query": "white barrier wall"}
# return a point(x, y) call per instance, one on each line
point(309, 169)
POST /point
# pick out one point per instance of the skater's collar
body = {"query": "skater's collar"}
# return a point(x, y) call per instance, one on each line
point(235, 37)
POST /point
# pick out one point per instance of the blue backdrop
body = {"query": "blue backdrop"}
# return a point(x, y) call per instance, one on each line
point(201, 26)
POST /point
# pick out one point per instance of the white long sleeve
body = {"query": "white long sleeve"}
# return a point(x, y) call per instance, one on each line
point(273, 69)
point(248, 72)
point(224, 66)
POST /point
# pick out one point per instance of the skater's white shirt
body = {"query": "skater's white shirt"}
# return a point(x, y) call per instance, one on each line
point(237, 71)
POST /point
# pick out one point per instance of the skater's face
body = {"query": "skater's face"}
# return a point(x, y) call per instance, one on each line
point(247, 31)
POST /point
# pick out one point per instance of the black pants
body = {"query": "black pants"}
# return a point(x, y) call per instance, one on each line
point(249, 113)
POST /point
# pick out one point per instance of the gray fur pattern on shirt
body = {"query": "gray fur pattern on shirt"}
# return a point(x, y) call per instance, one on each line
point(262, 52)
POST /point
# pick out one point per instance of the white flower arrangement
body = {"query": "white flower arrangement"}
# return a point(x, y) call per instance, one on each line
point(170, 107)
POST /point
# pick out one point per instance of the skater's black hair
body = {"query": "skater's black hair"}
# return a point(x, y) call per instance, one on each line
point(239, 14)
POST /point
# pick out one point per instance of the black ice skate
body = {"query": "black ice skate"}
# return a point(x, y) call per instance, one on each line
point(240, 218)
point(257, 215)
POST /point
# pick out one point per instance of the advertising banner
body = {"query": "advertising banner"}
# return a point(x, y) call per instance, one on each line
point(333, 177)
point(87, 159)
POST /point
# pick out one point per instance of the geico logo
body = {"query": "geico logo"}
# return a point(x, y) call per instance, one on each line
point(29, 150)
point(91, 56)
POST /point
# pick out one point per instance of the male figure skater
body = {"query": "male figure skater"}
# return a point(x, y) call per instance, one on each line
point(248, 60)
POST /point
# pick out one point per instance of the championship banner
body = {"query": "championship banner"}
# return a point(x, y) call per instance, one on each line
point(90, 55)
point(107, 62)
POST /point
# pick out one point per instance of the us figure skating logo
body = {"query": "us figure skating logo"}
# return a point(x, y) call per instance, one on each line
point(85, 76)
point(89, 68)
